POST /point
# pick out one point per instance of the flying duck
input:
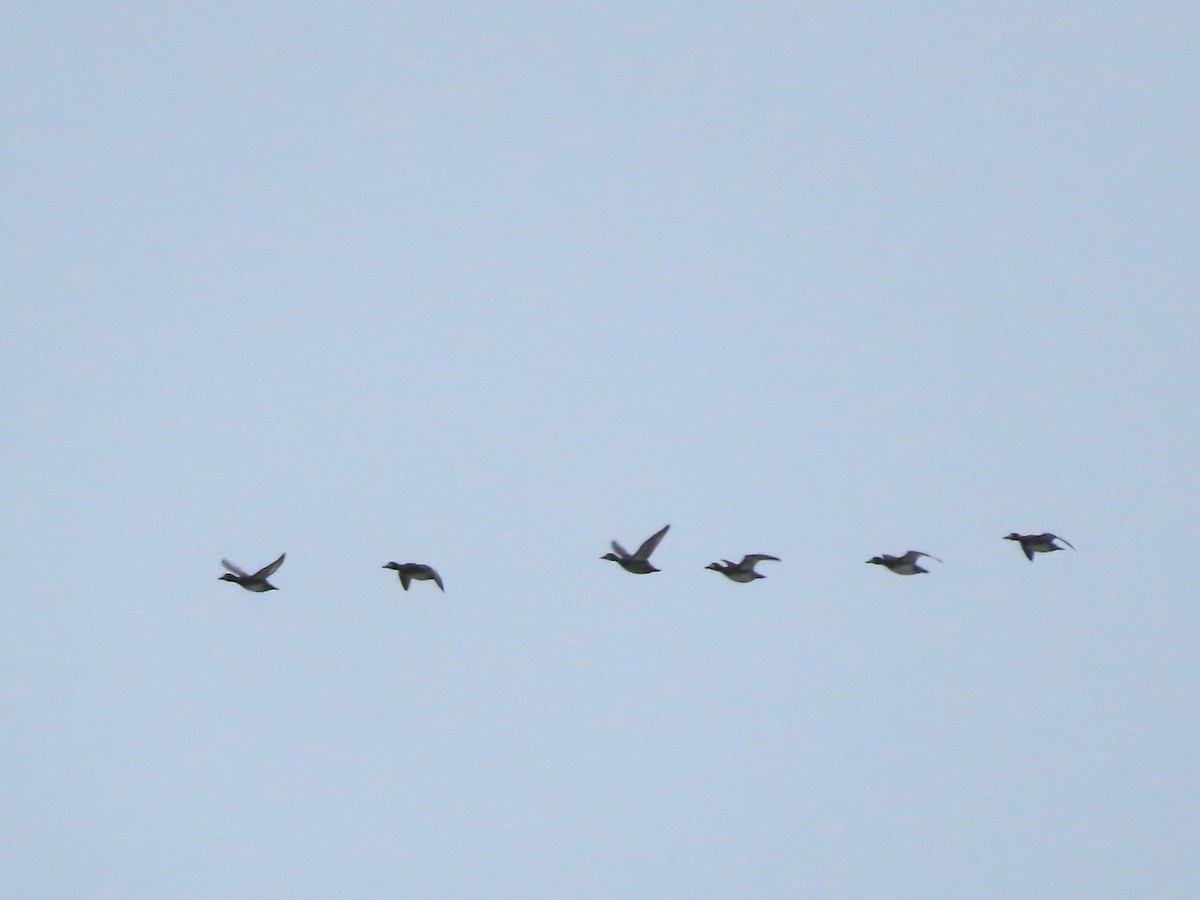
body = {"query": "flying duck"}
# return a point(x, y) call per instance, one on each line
point(902, 565)
point(256, 582)
point(1037, 543)
point(637, 563)
point(410, 572)
point(742, 572)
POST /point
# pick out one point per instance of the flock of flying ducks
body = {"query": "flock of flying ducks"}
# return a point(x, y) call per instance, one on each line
point(639, 563)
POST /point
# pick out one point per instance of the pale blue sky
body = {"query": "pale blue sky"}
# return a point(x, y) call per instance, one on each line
point(488, 285)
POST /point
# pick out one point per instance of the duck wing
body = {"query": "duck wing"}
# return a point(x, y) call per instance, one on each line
point(648, 545)
point(234, 569)
point(437, 579)
point(268, 570)
point(1064, 540)
point(750, 560)
point(619, 550)
point(914, 555)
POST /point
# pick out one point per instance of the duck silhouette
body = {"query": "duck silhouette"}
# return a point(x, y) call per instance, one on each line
point(742, 572)
point(638, 563)
point(410, 572)
point(1037, 543)
point(902, 565)
point(256, 582)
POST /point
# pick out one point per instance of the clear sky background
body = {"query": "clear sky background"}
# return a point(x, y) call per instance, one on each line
point(487, 285)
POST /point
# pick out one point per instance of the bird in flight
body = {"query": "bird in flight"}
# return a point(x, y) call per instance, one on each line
point(742, 572)
point(256, 582)
point(638, 563)
point(410, 572)
point(1037, 543)
point(902, 565)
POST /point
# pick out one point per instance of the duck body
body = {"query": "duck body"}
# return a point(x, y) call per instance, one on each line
point(258, 581)
point(1038, 543)
point(410, 572)
point(902, 565)
point(742, 572)
point(634, 566)
point(638, 562)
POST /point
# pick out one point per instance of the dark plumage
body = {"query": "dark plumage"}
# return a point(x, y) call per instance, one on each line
point(902, 565)
point(1037, 543)
point(410, 572)
point(256, 582)
point(638, 563)
point(742, 572)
